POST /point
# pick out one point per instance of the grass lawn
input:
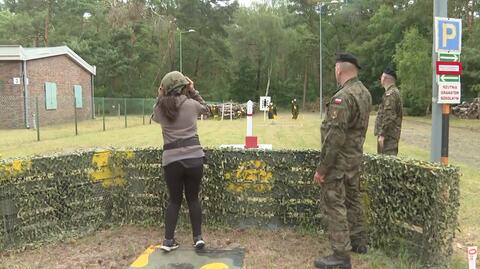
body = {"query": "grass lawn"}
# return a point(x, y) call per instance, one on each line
point(283, 133)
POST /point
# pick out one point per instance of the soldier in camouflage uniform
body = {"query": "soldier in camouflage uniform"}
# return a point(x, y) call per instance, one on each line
point(388, 124)
point(343, 134)
point(294, 109)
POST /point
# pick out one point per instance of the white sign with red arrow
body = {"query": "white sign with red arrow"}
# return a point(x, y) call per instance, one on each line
point(472, 257)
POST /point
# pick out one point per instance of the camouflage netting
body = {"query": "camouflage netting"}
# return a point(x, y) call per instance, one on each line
point(410, 203)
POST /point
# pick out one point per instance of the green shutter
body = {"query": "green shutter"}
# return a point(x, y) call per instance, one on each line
point(78, 96)
point(50, 95)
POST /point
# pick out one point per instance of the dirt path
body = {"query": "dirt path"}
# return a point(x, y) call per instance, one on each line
point(119, 247)
point(464, 143)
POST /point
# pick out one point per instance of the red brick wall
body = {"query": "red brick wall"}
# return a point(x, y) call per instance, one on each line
point(65, 73)
point(11, 95)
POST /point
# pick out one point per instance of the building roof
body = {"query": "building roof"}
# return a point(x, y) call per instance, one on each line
point(19, 53)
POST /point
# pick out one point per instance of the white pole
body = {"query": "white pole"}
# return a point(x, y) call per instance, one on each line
point(223, 110)
point(249, 118)
point(231, 111)
point(472, 257)
point(320, 62)
point(440, 8)
point(181, 60)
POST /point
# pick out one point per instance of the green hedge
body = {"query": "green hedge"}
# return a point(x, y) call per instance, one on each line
point(409, 203)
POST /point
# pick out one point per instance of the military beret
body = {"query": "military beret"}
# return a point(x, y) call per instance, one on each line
point(390, 71)
point(347, 57)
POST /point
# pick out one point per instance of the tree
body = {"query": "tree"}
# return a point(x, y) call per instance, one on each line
point(413, 59)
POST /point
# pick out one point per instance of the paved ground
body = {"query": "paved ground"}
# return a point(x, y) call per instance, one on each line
point(464, 141)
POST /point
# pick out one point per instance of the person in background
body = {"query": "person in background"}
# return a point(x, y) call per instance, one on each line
point(177, 109)
point(343, 134)
point(388, 124)
point(270, 111)
point(294, 109)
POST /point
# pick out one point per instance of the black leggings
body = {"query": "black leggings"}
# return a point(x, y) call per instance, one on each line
point(178, 177)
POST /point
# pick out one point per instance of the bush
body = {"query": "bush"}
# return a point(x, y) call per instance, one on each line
point(409, 203)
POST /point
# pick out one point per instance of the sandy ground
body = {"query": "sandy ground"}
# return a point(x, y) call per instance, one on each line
point(119, 247)
point(464, 142)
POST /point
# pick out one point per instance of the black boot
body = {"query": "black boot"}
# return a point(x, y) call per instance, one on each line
point(359, 246)
point(334, 261)
point(360, 249)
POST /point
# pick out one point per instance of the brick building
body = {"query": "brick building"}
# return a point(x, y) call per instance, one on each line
point(56, 78)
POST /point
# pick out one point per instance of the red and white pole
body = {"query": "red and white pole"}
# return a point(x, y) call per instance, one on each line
point(250, 140)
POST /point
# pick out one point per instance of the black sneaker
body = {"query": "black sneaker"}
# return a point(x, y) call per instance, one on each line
point(169, 245)
point(198, 242)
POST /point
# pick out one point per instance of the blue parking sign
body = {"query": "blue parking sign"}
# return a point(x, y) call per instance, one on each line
point(448, 35)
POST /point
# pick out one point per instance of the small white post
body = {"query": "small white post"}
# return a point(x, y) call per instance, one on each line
point(231, 111)
point(249, 118)
point(223, 110)
point(472, 257)
point(34, 120)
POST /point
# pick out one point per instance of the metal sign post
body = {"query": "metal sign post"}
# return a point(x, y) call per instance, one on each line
point(448, 68)
point(447, 38)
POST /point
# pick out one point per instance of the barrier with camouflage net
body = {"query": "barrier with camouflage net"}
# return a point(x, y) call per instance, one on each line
point(410, 203)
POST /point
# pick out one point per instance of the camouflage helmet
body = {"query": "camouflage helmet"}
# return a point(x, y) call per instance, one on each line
point(173, 82)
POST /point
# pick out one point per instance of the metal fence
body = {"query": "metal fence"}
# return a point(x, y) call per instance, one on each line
point(65, 116)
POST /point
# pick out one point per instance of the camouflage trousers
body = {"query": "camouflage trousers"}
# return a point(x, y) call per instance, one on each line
point(390, 147)
point(342, 206)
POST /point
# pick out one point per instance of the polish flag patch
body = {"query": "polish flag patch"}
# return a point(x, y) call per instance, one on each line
point(337, 101)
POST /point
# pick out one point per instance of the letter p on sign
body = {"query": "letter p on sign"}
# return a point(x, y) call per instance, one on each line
point(448, 35)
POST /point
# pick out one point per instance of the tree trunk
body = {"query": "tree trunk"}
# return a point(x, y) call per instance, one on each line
point(268, 80)
point(45, 36)
point(197, 65)
point(171, 47)
point(305, 86)
point(258, 74)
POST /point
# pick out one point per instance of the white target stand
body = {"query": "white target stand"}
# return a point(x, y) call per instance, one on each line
point(251, 141)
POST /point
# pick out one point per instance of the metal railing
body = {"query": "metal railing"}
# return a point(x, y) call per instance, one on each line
point(65, 115)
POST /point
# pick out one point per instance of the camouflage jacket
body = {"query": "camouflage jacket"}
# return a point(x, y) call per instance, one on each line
point(389, 117)
point(344, 128)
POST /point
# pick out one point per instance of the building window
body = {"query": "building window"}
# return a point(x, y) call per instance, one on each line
point(50, 95)
point(78, 96)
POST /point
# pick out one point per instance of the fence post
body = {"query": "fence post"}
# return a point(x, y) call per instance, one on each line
point(37, 118)
point(75, 114)
point(103, 112)
point(223, 110)
point(125, 110)
point(152, 111)
point(143, 111)
point(231, 111)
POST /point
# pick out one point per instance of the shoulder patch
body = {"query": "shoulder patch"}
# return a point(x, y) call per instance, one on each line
point(337, 101)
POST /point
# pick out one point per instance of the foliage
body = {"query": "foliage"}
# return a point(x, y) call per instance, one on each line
point(414, 69)
point(45, 198)
point(235, 52)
